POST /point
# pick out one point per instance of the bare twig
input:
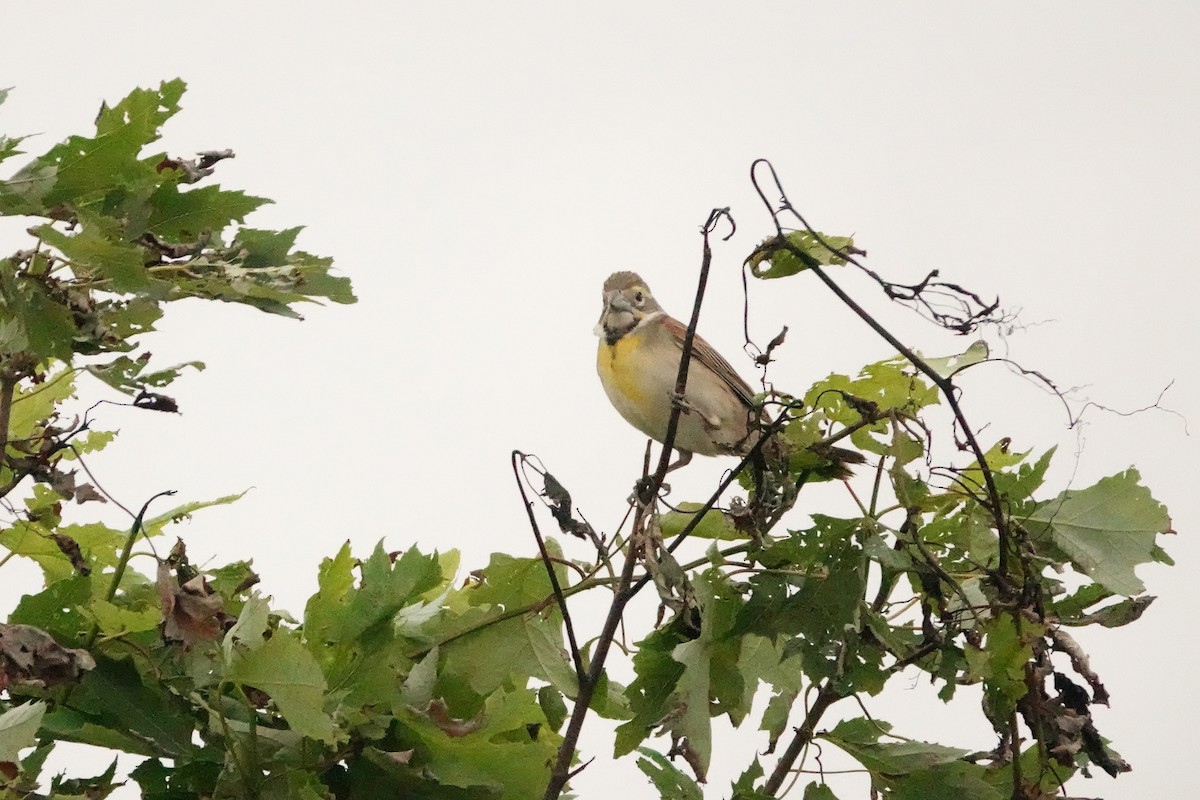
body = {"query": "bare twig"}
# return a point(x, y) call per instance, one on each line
point(135, 530)
point(944, 385)
point(576, 656)
point(647, 490)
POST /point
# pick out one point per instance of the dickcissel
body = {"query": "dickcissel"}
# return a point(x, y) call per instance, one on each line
point(638, 361)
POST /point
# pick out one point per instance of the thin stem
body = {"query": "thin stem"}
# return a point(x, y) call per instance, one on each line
point(96, 483)
point(826, 696)
point(134, 531)
point(648, 488)
point(555, 586)
point(518, 611)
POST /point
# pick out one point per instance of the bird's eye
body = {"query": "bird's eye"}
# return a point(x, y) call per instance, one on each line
point(639, 297)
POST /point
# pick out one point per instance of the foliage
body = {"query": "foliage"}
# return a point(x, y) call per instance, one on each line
point(400, 681)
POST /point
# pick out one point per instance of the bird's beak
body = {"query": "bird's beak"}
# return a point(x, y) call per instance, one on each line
point(615, 302)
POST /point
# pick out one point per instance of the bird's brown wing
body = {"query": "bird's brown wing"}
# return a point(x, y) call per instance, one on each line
point(704, 353)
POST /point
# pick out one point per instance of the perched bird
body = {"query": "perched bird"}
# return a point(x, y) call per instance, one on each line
point(638, 361)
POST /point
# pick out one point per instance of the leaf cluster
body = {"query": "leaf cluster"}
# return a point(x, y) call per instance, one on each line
point(965, 569)
point(400, 679)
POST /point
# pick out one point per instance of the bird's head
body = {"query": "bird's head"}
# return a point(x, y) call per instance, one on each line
point(627, 304)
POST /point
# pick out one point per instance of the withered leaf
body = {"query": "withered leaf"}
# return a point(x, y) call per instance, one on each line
point(85, 493)
point(31, 657)
point(439, 713)
point(70, 548)
point(153, 401)
point(192, 612)
point(559, 501)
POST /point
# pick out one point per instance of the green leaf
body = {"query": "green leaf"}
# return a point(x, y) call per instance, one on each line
point(1118, 614)
point(713, 525)
point(650, 692)
point(97, 246)
point(112, 703)
point(249, 629)
point(125, 318)
point(284, 669)
point(692, 726)
point(44, 320)
point(85, 170)
point(223, 274)
point(99, 786)
point(56, 610)
point(1073, 606)
point(1001, 662)
point(963, 540)
point(891, 384)
point(72, 726)
point(182, 216)
point(389, 586)
point(113, 620)
point(1072, 609)
point(1018, 488)
point(999, 457)
point(762, 661)
point(340, 613)
point(486, 644)
point(1105, 530)
point(609, 700)
point(953, 780)
point(506, 652)
point(19, 729)
point(232, 580)
point(8, 145)
point(326, 608)
point(8, 149)
point(102, 172)
point(669, 781)
point(905, 448)
point(33, 405)
point(155, 525)
point(777, 257)
point(13, 337)
point(31, 765)
point(819, 603)
point(193, 775)
point(553, 706)
point(947, 366)
point(91, 442)
point(262, 248)
point(504, 757)
point(859, 738)
point(743, 787)
point(287, 783)
point(365, 677)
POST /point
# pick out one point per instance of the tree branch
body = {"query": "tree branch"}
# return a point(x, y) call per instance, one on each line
point(826, 696)
point(647, 489)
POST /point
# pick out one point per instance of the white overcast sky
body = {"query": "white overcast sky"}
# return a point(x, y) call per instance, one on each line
point(479, 168)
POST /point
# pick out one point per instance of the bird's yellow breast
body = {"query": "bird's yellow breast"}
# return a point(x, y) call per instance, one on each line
point(618, 366)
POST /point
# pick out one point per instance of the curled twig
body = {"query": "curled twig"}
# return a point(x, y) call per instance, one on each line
point(949, 305)
point(519, 458)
